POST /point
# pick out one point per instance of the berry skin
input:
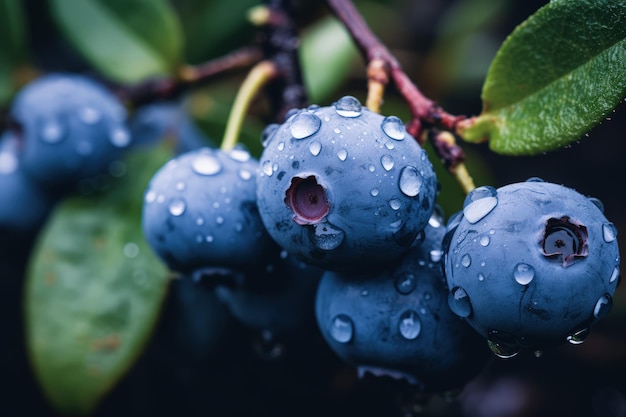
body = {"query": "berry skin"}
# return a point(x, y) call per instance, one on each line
point(200, 212)
point(531, 264)
point(342, 187)
point(24, 205)
point(70, 126)
point(397, 322)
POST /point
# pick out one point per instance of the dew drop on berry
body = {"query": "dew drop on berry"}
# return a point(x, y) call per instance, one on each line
point(479, 202)
point(503, 351)
point(535, 179)
point(342, 154)
point(52, 132)
point(410, 325)
point(304, 124)
point(466, 260)
point(609, 232)
point(615, 274)
point(389, 145)
point(481, 277)
point(180, 186)
point(267, 168)
point(410, 181)
point(597, 202)
point(374, 192)
point(209, 238)
point(177, 207)
point(200, 221)
point(459, 302)
point(436, 255)
point(603, 306)
point(341, 328)
point(281, 146)
point(395, 204)
point(484, 240)
point(315, 148)
point(206, 164)
point(326, 236)
point(244, 174)
point(150, 196)
point(371, 168)
point(268, 133)
point(239, 155)
point(387, 162)
point(405, 283)
point(393, 127)
point(120, 137)
point(436, 219)
point(523, 273)
point(89, 115)
point(219, 220)
point(348, 106)
point(578, 337)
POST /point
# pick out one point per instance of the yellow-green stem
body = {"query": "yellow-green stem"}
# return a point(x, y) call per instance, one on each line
point(258, 76)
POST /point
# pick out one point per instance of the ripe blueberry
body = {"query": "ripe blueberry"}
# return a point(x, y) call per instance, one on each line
point(343, 187)
point(70, 126)
point(397, 322)
point(531, 264)
point(200, 211)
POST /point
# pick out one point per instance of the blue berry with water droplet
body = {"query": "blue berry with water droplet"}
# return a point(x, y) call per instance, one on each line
point(70, 127)
point(531, 265)
point(200, 211)
point(396, 322)
point(342, 187)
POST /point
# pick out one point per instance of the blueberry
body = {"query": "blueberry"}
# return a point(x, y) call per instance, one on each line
point(200, 211)
point(71, 127)
point(24, 205)
point(342, 187)
point(531, 264)
point(396, 322)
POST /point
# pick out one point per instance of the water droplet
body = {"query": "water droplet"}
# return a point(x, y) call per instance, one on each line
point(603, 306)
point(484, 240)
point(160, 199)
point(177, 207)
point(281, 146)
point(315, 148)
point(150, 196)
point(337, 130)
point(348, 106)
point(387, 162)
point(615, 274)
point(481, 277)
point(371, 168)
point(200, 221)
point(597, 202)
point(466, 260)
point(364, 293)
point(268, 133)
point(538, 353)
point(436, 255)
point(304, 124)
point(609, 232)
point(395, 204)
point(180, 186)
point(239, 155)
point(219, 220)
point(374, 192)
point(389, 145)
point(578, 337)
point(131, 250)
point(405, 284)
point(8, 162)
point(120, 137)
point(393, 127)
point(52, 132)
point(503, 351)
point(436, 219)
point(209, 238)
point(535, 179)
point(206, 164)
point(523, 273)
point(326, 237)
point(267, 168)
point(244, 174)
point(478, 209)
point(341, 328)
point(459, 302)
point(89, 115)
point(410, 181)
point(342, 154)
point(410, 325)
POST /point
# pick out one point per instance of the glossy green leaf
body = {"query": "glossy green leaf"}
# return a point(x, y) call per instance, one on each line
point(126, 40)
point(559, 74)
point(94, 291)
point(12, 45)
point(327, 54)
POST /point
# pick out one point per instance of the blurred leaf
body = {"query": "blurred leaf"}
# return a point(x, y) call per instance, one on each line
point(215, 27)
point(327, 54)
point(94, 291)
point(127, 40)
point(557, 76)
point(12, 45)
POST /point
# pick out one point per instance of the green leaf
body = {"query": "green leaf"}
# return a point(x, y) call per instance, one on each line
point(327, 53)
point(12, 46)
point(127, 40)
point(556, 76)
point(94, 291)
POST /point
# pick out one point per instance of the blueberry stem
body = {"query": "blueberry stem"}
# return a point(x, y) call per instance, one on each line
point(259, 76)
point(452, 156)
point(377, 81)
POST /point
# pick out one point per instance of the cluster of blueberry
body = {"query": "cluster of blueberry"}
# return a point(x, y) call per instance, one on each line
point(344, 200)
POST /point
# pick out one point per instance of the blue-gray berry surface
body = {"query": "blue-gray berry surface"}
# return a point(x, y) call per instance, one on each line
point(531, 264)
point(342, 187)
